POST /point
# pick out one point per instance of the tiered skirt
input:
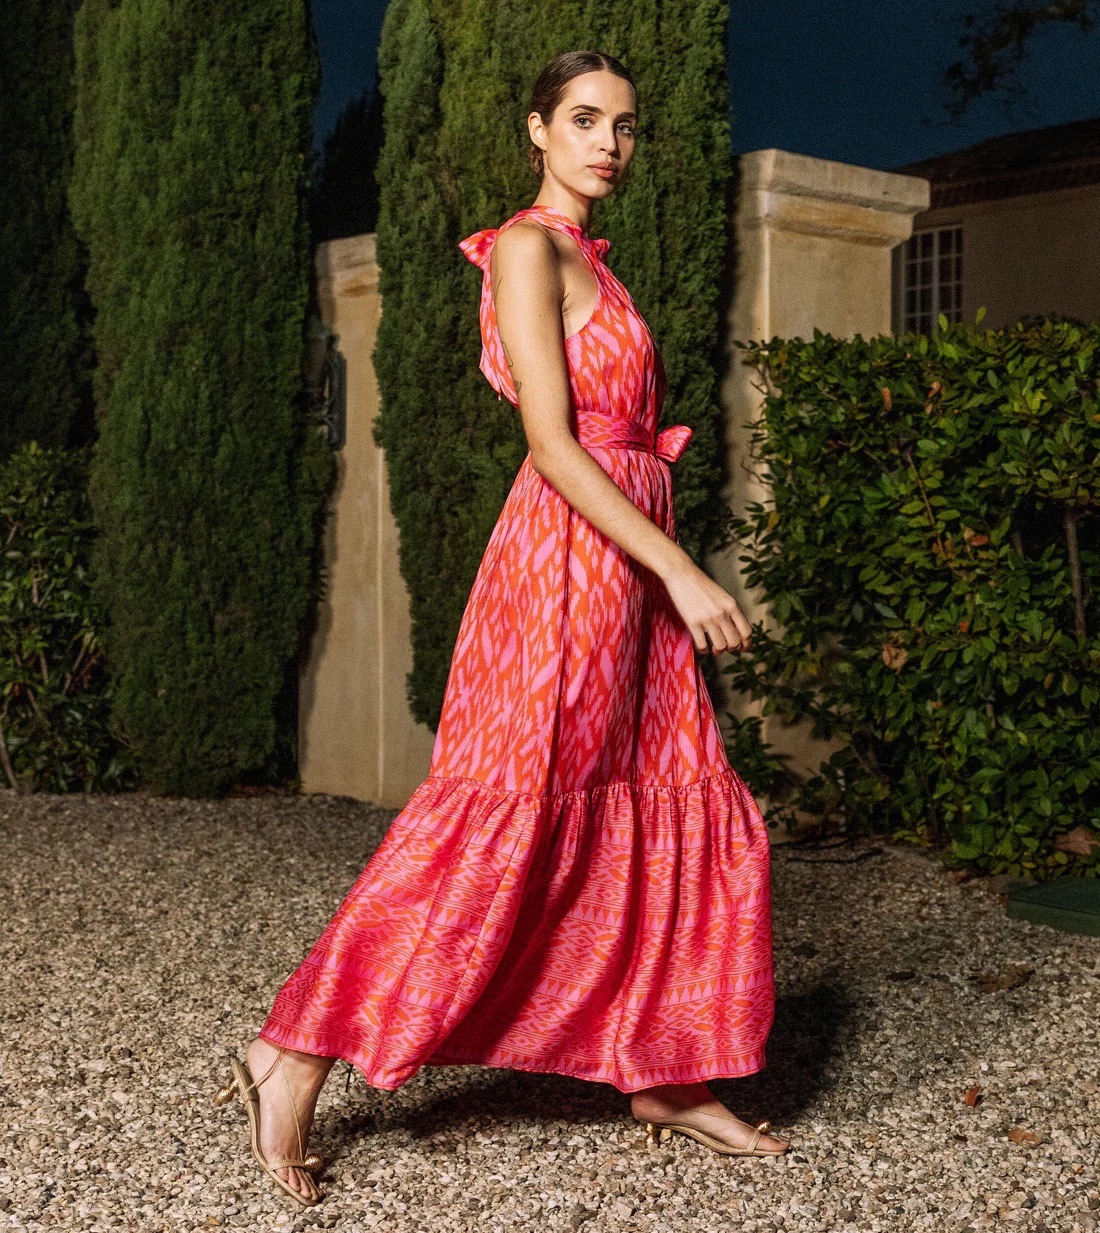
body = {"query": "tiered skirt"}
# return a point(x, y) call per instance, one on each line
point(621, 935)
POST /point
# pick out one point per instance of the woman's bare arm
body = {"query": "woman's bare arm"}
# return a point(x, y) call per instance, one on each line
point(528, 290)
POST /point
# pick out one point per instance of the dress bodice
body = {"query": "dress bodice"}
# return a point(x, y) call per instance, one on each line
point(616, 374)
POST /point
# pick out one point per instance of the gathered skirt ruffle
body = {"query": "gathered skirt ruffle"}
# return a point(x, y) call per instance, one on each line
point(621, 934)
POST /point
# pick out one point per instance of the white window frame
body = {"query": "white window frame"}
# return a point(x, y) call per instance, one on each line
point(928, 274)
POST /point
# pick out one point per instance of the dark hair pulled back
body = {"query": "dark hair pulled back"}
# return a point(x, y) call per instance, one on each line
point(550, 86)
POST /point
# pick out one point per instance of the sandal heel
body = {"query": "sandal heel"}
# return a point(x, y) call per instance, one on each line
point(225, 1094)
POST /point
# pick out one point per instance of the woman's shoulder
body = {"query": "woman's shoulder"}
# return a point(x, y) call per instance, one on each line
point(526, 242)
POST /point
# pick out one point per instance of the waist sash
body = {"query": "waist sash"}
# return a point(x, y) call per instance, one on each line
point(608, 431)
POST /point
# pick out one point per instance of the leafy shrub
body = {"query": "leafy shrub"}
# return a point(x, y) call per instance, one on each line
point(931, 559)
point(766, 772)
point(54, 731)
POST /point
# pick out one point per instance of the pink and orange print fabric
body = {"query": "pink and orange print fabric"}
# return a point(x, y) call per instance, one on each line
point(581, 885)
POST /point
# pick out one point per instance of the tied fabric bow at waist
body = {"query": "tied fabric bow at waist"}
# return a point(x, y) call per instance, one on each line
point(606, 430)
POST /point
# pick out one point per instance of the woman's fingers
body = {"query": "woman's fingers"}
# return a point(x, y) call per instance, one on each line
point(728, 631)
point(743, 627)
point(712, 615)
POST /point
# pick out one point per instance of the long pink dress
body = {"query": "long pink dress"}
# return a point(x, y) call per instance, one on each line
point(581, 884)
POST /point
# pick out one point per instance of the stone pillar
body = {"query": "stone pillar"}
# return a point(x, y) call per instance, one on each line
point(813, 249)
point(356, 735)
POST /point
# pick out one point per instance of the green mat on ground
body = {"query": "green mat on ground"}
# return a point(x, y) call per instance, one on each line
point(1070, 904)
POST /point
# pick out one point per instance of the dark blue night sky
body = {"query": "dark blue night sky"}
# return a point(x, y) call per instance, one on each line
point(853, 80)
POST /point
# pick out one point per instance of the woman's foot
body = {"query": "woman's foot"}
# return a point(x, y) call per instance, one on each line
point(672, 1101)
point(305, 1075)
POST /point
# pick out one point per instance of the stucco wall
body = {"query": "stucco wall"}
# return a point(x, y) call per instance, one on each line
point(356, 735)
point(1036, 253)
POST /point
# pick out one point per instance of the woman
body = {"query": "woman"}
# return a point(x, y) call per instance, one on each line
point(582, 884)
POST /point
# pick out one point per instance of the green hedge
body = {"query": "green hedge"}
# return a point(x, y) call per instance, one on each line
point(931, 561)
point(55, 732)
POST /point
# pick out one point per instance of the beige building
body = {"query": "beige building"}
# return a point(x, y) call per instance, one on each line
point(815, 242)
point(1013, 225)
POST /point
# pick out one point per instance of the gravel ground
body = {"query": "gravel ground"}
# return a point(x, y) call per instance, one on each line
point(146, 936)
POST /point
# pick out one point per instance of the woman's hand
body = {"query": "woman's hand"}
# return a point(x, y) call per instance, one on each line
point(707, 609)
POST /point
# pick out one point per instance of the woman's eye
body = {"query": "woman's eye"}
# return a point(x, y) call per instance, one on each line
point(626, 129)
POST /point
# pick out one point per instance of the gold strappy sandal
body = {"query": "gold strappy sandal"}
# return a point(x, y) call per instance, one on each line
point(242, 1084)
point(657, 1131)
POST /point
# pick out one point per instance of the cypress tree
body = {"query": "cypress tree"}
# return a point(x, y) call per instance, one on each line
point(192, 128)
point(45, 344)
point(456, 79)
point(415, 354)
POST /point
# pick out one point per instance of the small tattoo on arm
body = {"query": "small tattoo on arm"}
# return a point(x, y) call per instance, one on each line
point(511, 368)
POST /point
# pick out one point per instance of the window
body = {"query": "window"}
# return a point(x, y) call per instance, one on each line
point(930, 279)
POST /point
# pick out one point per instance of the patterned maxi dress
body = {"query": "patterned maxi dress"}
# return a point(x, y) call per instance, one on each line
point(582, 883)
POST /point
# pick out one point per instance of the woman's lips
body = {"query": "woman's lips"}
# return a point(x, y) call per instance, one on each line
point(607, 173)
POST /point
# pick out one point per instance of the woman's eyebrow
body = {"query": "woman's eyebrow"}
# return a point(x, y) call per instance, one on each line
point(623, 115)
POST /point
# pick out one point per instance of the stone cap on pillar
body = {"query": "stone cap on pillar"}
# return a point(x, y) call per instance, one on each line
point(350, 263)
point(815, 196)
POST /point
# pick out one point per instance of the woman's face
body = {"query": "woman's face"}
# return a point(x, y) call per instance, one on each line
point(590, 139)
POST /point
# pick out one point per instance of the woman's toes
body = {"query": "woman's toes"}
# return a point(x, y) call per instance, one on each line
point(298, 1181)
point(770, 1143)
